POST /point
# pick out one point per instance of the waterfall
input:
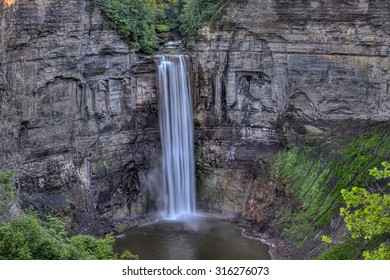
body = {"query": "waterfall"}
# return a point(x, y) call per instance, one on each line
point(176, 126)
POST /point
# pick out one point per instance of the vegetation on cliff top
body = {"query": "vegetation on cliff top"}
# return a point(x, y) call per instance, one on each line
point(133, 19)
point(137, 21)
point(199, 12)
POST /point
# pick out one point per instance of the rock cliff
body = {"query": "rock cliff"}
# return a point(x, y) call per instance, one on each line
point(78, 107)
point(78, 113)
point(268, 67)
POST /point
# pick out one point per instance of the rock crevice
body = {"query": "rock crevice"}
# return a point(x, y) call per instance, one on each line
point(78, 113)
point(269, 67)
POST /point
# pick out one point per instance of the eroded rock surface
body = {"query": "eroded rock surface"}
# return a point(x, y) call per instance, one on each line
point(270, 66)
point(78, 113)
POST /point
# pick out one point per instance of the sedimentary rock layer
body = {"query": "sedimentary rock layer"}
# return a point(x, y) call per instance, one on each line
point(270, 66)
point(78, 113)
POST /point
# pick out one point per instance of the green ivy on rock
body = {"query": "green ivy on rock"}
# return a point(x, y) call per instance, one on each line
point(199, 12)
point(315, 176)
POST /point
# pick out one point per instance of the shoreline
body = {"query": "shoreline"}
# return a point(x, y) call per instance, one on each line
point(279, 249)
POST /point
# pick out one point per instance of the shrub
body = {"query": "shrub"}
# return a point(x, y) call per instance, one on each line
point(133, 19)
point(198, 12)
point(138, 20)
point(29, 238)
point(6, 180)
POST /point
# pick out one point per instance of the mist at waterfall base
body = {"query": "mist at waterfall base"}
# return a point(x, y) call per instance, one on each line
point(198, 238)
point(182, 233)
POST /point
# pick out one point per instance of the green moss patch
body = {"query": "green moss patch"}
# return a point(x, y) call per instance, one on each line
point(314, 177)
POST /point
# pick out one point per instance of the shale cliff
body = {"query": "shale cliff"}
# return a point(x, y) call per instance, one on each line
point(78, 113)
point(268, 67)
point(78, 107)
point(308, 76)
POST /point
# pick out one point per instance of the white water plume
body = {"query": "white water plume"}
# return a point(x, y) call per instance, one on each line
point(176, 126)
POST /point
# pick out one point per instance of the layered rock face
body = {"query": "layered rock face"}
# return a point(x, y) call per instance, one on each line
point(269, 66)
point(78, 113)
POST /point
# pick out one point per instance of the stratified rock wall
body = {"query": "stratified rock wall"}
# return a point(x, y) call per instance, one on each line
point(272, 65)
point(78, 113)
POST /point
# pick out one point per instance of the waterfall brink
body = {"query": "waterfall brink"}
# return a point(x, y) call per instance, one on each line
point(176, 126)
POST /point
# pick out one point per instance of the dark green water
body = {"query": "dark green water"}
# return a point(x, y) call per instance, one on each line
point(198, 238)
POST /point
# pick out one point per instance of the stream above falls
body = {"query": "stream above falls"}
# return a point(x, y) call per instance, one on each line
point(194, 238)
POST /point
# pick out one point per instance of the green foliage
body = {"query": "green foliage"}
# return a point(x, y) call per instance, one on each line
point(90, 248)
point(126, 255)
point(168, 15)
point(381, 174)
point(133, 19)
point(55, 227)
point(6, 178)
point(137, 21)
point(162, 28)
point(25, 239)
point(313, 177)
point(30, 238)
point(383, 253)
point(198, 12)
point(351, 249)
point(326, 239)
point(368, 214)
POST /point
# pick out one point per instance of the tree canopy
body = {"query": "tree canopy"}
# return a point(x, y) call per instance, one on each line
point(29, 238)
point(137, 21)
point(367, 214)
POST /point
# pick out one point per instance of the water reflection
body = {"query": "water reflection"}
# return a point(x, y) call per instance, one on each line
point(200, 238)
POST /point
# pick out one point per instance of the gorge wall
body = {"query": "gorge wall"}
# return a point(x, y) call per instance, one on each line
point(274, 75)
point(78, 113)
point(268, 68)
point(78, 107)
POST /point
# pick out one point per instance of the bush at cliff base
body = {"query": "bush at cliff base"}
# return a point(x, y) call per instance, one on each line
point(30, 238)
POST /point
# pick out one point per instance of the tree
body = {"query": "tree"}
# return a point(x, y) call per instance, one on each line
point(133, 19)
point(368, 214)
point(29, 238)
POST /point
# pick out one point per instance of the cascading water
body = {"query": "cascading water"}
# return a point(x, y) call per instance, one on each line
point(193, 236)
point(176, 126)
